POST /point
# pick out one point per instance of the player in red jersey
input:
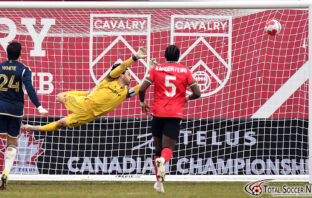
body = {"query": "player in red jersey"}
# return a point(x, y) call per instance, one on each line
point(170, 82)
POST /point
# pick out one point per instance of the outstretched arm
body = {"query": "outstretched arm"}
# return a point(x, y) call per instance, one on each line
point(121, 68)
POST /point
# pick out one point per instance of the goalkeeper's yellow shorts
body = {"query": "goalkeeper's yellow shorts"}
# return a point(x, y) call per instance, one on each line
point(79, 115)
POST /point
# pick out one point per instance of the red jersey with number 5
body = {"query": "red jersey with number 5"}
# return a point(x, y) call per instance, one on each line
point(170, 83)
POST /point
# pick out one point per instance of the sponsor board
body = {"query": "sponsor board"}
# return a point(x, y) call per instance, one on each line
point(215, 147)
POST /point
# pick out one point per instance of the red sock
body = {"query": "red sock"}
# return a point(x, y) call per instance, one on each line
point(167, 154)
point(155, 157)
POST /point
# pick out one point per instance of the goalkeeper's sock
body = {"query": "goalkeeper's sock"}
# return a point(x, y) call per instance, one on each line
point(166, 153)
point(77, 93)
point(155, 157)
point(9, 157)
point(50, 127)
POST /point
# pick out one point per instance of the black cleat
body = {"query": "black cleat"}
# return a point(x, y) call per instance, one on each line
point(4, 181)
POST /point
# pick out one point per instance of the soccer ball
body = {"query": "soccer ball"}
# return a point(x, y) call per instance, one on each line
point(273, 27)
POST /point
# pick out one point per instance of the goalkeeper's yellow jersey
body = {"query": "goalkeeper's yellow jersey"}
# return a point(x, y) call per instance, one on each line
point(106, 97)
point(109, 94)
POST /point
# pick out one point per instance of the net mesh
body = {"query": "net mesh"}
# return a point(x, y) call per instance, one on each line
point(250, 120)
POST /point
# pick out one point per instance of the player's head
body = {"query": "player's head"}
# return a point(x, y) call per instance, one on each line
point(14, 50)
point(115, 66)
point(125, 76)
point(172, 53)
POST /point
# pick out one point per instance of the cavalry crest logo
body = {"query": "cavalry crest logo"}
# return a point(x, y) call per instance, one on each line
point(113, 38)
point(206, 47)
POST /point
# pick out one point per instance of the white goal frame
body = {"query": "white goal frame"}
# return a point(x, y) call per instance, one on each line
point(299, 4)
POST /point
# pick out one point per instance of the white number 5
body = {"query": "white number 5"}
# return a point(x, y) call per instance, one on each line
point(171, 85)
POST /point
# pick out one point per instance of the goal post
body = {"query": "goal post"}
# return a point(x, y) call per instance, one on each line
point(252, 121)
point(310, 95)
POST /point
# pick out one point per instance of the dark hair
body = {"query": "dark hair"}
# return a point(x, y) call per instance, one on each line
point(14, 50)
point(172, 53)
point(116, 65)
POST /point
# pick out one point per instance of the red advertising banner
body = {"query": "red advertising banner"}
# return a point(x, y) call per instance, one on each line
point(243, 72)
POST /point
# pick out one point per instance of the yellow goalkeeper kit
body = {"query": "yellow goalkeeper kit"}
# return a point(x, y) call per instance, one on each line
point(107, 96)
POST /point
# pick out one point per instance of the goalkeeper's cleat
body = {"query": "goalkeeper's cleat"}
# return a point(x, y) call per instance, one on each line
point(159, 187)
point(28, 127)
point(4, 180)
point(161, 172)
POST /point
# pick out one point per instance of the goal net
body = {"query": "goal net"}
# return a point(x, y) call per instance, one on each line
point(251, 120)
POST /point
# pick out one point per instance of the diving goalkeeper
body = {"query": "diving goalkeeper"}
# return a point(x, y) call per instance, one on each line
point(104, 98)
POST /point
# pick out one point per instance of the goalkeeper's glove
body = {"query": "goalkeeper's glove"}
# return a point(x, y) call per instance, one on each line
point(43, 111)
point(141, 53)
point(152, 63)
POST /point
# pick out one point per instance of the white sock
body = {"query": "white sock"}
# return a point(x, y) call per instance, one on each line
point(9, 158)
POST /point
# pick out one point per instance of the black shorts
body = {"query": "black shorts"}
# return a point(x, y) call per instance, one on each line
point(10, 125)
point(166, 126)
